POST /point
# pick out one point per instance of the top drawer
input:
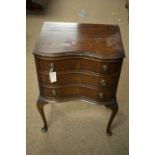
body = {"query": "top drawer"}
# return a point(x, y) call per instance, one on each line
point(85, 64)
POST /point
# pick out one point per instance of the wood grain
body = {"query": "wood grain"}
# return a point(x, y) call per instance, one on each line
point(96, 40)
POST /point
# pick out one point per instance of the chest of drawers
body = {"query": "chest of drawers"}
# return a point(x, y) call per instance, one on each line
point(86, 60)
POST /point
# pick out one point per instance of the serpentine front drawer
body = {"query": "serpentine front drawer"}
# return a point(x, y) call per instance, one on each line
point(82, 63)
point(86, 78)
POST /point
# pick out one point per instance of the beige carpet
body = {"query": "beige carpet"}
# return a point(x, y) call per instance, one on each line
point(77, 128)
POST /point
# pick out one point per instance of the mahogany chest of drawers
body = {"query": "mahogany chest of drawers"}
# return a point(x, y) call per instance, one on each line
point(78, 61)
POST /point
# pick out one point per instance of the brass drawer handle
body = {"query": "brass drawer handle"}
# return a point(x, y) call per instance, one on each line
point(105, 68)
point(101, 96)
point(53, 93)
point(52, 66)
point(103, 83)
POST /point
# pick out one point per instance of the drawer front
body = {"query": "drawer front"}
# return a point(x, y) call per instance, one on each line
point(76, 91)
point(80, 78)
point(91, 65)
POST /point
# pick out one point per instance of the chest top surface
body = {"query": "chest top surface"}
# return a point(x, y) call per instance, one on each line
point(94, 40)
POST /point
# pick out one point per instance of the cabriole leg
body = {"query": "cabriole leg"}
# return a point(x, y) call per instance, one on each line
point(114, 109)
point(40, 106)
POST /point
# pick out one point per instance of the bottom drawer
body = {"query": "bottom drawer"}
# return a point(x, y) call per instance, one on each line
point(77, 92)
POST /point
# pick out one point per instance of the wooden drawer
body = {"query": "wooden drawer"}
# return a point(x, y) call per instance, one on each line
point(84, 64)
point(78, 91)
point(80, 78)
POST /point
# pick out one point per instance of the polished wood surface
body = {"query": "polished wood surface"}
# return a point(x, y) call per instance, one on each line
point(94, 40)
point(68, 63)
point(82, 78)
point(87, 59)
point(78, 91)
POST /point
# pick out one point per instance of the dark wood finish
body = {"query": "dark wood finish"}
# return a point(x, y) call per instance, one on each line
point(83, 78)
point(40, 106)
point(114, 109)
point(93, 40)
point(77, 91)
point(79, 63)
point(87, 59)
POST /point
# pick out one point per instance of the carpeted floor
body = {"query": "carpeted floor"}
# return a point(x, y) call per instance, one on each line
point(77, 128)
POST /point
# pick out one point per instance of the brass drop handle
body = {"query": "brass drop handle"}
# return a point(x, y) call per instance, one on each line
point(53, 93)
point(100, 94)
point(103, 83)
point(105, 68)
point(52, 66)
